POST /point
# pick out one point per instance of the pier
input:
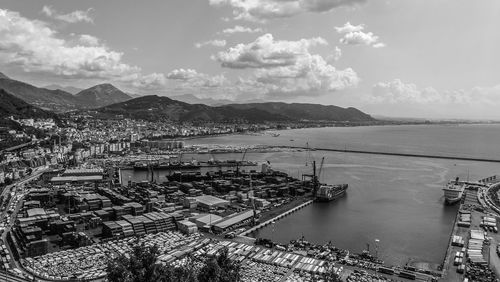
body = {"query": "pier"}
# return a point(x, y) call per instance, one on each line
point(398, 154)
point(280, 216)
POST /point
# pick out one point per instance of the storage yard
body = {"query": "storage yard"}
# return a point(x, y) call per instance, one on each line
point(65, 231)
point(475, 234)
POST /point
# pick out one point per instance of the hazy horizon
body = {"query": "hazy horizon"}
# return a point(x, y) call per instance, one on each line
point(410, 59)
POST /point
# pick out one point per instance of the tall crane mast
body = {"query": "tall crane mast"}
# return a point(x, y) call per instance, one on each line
point(240, 162)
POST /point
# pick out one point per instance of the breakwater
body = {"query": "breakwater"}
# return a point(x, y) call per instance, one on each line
point(270, 221)
point(398, 154)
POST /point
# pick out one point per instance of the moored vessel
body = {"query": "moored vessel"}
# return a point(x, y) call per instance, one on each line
point(453, 191)
point(327, 193)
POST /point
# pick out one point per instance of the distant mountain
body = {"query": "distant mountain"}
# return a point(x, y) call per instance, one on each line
point(101, 95)
point(134, 95)
point(3, 76)
point(158, 107)
point(192, 99)
point(13, 106)
point(69, 89)
point(55, 100)
point(302, 111)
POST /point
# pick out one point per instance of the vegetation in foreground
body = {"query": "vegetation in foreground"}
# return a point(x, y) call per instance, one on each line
point(141, 265)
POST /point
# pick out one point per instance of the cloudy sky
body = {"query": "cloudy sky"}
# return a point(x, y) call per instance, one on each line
point(402, 58)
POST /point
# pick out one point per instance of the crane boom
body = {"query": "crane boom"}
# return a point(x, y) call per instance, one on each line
point(321, 167)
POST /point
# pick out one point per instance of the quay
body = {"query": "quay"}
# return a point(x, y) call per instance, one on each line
point(468, 223)
point(396, 154)
point(280, 216)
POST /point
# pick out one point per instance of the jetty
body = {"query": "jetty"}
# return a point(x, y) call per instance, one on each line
point(272, 220)
point(476, 159)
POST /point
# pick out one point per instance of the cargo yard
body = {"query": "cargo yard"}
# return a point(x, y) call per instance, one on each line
point(472, 252)
point(66, 223)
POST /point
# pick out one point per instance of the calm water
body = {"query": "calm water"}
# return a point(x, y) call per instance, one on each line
point(397, 200)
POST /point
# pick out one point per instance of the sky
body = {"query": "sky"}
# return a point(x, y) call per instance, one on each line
point(398, 58)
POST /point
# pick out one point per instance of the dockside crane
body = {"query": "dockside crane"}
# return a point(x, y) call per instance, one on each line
point(240, 162)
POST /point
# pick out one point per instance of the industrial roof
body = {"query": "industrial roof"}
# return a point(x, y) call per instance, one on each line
point(211, 200)
point(207, 219)
point(234, 219)
point(35, 212)
point(83, 170)
point(76, 178)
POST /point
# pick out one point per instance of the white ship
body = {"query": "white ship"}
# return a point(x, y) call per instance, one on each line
point(453, 191)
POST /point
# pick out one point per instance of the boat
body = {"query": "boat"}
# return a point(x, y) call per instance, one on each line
point(324, 192)
point(328, 193)
point(453, 191)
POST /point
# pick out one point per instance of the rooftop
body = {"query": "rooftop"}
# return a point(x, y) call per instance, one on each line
point(211, 200)
point(234, 219)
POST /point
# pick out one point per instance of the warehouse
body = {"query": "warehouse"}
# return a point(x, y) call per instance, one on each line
point(208, 203)
point(233, 221)
point(75, 179)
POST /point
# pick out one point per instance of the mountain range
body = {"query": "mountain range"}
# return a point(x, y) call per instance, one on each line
point(13, 106)
point(107, 100)
point(158, 107)
point(69, 89)
point(102, 94)
point(61, 101)
point(303, 111)
point(154, 107)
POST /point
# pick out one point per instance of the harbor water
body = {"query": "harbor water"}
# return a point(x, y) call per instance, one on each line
point(397, 200)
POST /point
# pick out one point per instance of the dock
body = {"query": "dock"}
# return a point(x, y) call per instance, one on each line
point(272, 220)
point(475, 159)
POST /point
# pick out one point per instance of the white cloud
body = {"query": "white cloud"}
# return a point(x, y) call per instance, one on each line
point(89, 40)
point(265, 52)
point(192, 78)
point(146, 83)
point(261, 10)
point(397, 98)
point(396, 91)
point(241, 29)
point(32, 46)
point(337, 53)
point(354, 35)
point(73, 17)
point(285, 68)
point(348, 27)
point(35, 47)
point(214, 42)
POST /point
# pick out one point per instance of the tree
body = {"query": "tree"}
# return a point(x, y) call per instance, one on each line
point(141, 266)
point(7, 181)
point(331, 276)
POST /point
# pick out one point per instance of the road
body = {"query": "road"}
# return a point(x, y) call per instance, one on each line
point(9, 219)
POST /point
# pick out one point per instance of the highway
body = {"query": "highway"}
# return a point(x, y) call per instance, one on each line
point(7, 220)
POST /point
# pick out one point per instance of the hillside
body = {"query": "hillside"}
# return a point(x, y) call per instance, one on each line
point(3, 76)
point(192, 99)
point(69, 89)
point(54, 100)
point(302, 111)
point(155, 107)
point(102, 94)
point(13, 106)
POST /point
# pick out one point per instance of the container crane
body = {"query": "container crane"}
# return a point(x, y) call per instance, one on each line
point(240, 162)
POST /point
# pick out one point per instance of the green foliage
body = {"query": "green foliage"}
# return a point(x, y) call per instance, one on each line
point(141, 266)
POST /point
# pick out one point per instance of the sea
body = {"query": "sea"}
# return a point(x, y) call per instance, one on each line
point(394, 200)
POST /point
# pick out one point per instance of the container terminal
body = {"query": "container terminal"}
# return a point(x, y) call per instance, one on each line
point(63, 224)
